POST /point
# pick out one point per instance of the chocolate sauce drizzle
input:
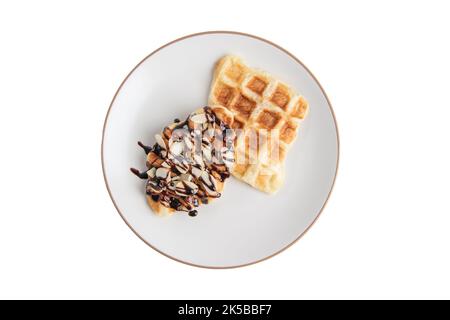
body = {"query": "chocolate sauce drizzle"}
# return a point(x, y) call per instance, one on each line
point(188, 197)
point(142, 175)
point(147, 149)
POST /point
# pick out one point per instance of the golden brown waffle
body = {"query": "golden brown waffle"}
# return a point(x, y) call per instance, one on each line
point(267, 110)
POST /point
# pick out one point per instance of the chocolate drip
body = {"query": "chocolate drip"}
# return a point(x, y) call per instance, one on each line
point(142, 175)
point(147, 149)
point(193, 213)
point(174, 203)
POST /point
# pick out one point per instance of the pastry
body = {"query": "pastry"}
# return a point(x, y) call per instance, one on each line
point(266, 116)
point(190, 161)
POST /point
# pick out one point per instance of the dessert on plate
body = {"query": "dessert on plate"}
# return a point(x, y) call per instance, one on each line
point(190, 161)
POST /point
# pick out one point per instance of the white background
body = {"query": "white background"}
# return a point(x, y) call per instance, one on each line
point(385, 232)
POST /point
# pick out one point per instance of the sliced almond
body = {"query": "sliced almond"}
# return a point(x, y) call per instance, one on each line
point(162, 173)
point(207, 154)
point(205, 177)
point(228, 161)
point(175, 180)
point(218, 134)
point(154, 187)
point(209, 180)
point(177, 159)
point(199, 118)
point(198, 159)
point(172, 185)
point(197, 172)
point(188, 143)
point(165, 164)
point(181, 169)
point(207, 137)
point(224, 149)
point(176, 148)
point(211, 193)
point(214, 182)
point(160, 141)
point(151, 172)
point(210, 117)
point(178, 135)
point(181, 189)
point(185, 177)
point(180, 185)
point(192, 186)
point(228, 156)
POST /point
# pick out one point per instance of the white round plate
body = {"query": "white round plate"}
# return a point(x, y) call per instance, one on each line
point(245, 225)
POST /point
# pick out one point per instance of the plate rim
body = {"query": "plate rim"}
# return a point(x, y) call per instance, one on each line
point(232, 33)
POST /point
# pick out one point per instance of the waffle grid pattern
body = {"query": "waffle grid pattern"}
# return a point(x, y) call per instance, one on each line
point(268, 112)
